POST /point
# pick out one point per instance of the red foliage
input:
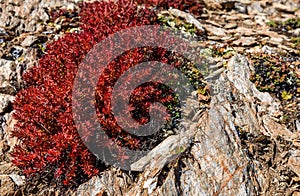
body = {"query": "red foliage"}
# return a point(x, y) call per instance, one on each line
point(49, 140)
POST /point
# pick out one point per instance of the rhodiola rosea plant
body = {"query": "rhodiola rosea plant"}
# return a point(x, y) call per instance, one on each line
point(49, 141)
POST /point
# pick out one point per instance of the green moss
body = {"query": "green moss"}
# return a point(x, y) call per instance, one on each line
point(182, 25)
point(296, 42)
point(272, 23)
point(286, 96)
point(289, 24)
point(293, 22)
point(274, 74)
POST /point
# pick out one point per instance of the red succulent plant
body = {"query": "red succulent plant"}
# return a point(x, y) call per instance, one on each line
point(49, 140)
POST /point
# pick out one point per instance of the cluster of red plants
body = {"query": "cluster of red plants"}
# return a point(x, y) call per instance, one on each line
point(49, 139)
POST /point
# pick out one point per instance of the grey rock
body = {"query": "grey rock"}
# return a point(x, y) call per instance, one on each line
point(164, 153)
point(241, 8)
point(255, 8)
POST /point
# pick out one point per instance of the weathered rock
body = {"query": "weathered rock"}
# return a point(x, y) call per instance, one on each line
point(7, 70)
point(28, 41)
point(111, 182)
point(212, 4)
point(227, 4)
point(245, 41)
point(230, 26)
point(6, 185)
point(216, 163)
point(164, 153)
point(9, 126)
point(255, 8)
point(286, 8)
point(241, 8)
point(5, 103)
point(294, 162)
point(214, 30)
point(188, 17)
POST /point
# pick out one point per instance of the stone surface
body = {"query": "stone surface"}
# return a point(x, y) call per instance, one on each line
point(5, 103)
point(28, 41)
point(6, 185)
point(255, 8)
point(214, 30)
point(245, 41)
point(294, 162)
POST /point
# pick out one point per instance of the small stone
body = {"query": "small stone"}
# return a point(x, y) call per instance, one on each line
point(241, 8)
point(249, 23)
point(214, 30)
point(230, 26)
point(5, 70)
point(214, 38)
point(29, 40)
point(228, 4)
point(6, 185)
point(276, 40)
point(255, 8)
point(16, 52)
point(285, 8)
point(212, 4)
point(5, 102)
point(298, 125)
point(23, 11)
point(297, 32)
point(18, 180)
point(296, 193)
point(242, 31)
point(267, 50)
point(150, 184)
point(245, 41)
point(260, 19)
point(294, 162)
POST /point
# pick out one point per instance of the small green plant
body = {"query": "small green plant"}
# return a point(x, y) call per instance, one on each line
point(286, 96)
point(272, 23)
point(289, 24)
point(273, 73)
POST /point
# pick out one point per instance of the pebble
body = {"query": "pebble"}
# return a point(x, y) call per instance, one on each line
point(254, 8)
point(28, 41)
point(230, 26)
point(245, 41)
point(214, 30)
point(241, 8)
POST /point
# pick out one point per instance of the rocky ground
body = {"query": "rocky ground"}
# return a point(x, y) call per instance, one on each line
point(266, 31)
